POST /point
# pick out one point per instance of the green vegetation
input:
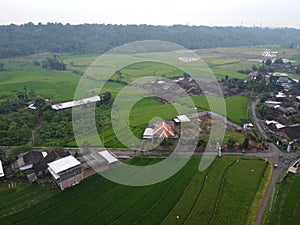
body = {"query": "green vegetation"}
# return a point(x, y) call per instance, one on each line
point(57, 85)
point(98, 38)
point(286, 202)
point(222, 191)
point(26, 79)
point(23, 196)
point(260, 193)
point(16, 123)
point(236, 106)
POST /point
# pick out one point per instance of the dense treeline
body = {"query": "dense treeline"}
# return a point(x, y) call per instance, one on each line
point(16, 123)
point(98, 38)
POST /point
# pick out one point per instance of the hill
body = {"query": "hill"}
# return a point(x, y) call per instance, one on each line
point(97, 38)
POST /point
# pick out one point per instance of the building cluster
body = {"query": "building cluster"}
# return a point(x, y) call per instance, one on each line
point(165, 129)
point(281, 79)
point(62, 166)
point(171, 90)
point(282, 118)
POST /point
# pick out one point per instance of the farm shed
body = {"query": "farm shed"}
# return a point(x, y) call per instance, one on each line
point(108, 156)
point(182, 119)
point(97, 161)
point(71, 104)
point(148, 133)
point(66, 171)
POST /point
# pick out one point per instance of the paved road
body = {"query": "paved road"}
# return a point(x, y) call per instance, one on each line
point(256, 120)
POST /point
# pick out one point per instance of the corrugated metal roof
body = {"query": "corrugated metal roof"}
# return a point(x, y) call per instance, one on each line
point(183, 118)
point(148, 133)
point(63, 164)
point(108, 156)
point(71, 104)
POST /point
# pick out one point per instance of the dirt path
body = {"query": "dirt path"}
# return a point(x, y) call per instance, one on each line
point(32, 137)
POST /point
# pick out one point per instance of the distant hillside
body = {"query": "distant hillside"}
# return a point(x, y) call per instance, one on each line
point(98, 38)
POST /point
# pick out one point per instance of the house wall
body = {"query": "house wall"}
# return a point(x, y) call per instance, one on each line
point(70, 177)
point(71, 181)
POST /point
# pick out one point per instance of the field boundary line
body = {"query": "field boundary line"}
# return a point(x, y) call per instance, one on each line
point(268, 176)
point(197, 198)
point(219, 193)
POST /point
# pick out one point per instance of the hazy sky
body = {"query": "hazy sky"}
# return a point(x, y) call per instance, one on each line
point(271, 13)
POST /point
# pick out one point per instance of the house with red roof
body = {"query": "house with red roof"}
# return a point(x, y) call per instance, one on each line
point(163, 130)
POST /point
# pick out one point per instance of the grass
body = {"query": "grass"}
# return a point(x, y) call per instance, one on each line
point(242, 186)
point(187, 193)
point(60, 85)
point(286, 204)
point(236, 106)
point(99, 201)
point(57, 85)
point(260, 193)
point(146, 109)
point(23, 196)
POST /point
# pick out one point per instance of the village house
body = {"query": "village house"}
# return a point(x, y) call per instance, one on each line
point(66, 171)
point(41, 167)
point(163, 130)
point(26, 160)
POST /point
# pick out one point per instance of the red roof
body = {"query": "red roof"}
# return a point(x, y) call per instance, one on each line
point(163, 130)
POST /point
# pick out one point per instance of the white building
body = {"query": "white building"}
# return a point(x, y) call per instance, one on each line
point(66, 171)
point(71, 104)
point(182, 119)
point(1, 170)
point(148, 133)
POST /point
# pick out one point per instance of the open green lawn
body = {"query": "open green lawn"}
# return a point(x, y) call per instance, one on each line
point(217, 195)
point(286, 205)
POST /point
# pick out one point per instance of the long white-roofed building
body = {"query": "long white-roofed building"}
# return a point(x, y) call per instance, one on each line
point(71, 104)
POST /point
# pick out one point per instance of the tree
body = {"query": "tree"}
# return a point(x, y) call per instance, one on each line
point(119, 75)
point(24, 133)
point(298, 69)
point(268, 62)
point(13, 133)
point(254, 68)
point(54, 64)
point(25, 93)
point(278, 61)
point(262, 110)
point(201, 143)
point(231, 142)
point(245, 144)
point(106, 99)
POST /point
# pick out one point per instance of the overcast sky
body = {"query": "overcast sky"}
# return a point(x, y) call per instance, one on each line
point(266, 13)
